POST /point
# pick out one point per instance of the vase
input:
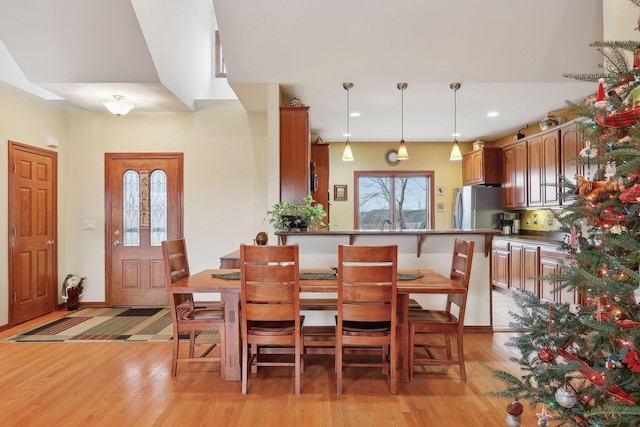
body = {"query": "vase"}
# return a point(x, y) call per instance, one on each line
point(548, 122)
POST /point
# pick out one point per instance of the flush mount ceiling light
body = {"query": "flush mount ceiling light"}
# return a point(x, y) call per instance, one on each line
point(118, 107)
point(455, 150)
point(402, 151)
point(347, 155)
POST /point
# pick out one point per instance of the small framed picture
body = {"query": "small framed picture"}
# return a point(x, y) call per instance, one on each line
point(340, 193)
point(440, 207)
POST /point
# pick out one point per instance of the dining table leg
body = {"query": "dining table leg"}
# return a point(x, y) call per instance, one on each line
point(402, 339)
point(232, 369)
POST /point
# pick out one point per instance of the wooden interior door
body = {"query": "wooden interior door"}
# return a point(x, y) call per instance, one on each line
point(32, 232)
point(143, 200)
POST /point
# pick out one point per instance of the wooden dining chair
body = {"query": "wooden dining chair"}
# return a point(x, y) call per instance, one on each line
point(366, 318)
point(190, 317)
point(443, 322)
point(270, 287)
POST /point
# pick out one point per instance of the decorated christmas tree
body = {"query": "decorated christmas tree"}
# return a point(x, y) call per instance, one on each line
point(581, 362)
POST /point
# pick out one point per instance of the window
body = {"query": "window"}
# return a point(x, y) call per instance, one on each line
point(144, 207)
point(221, 70)
point(397, 201)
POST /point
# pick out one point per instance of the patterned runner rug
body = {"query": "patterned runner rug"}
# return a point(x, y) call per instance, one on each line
point(106, 324)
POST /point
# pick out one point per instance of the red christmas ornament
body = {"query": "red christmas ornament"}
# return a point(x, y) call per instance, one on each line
point(546, 355)
point(515, 408)
point(601, 101)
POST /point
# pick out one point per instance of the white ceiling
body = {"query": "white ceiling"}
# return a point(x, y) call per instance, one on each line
point(509, 56)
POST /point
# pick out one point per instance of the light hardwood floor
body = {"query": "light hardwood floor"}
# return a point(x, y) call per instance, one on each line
point(129, 384)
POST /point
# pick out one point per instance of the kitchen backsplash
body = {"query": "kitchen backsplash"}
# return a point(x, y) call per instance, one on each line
point(538, 220)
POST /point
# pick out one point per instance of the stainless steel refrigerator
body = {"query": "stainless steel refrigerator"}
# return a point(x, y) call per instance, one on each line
point(477, 207)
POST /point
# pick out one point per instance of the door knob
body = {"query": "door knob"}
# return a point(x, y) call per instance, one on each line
point(117, 243)
point(49, 242)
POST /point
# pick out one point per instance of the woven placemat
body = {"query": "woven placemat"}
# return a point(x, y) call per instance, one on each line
point(311, 276)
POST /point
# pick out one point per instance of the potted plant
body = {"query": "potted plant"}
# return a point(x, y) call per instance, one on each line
point(303, 216)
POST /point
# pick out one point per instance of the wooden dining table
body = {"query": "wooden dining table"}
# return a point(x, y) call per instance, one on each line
point(429, 282)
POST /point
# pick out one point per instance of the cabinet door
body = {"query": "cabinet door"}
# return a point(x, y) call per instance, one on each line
point(535, 158)
point(320, 156)
point(571, 142)
point(551, 169)
point(500, 269)
point(477, 167)
point(548, 267)
point(516, 267)
point(467, 170)
point(295, 153)
point(530, 270)
point(515, 176)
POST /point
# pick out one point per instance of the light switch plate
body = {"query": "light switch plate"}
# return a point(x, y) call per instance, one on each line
point(88, 224)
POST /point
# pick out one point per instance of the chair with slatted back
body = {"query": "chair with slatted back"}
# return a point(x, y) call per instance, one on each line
point(443, 323)
point(366, 318)
point(189, 317)
point(270, 285)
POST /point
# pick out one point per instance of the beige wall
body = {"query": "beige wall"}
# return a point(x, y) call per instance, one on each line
point(27, 119)
point(371, 156)
point(227, 179)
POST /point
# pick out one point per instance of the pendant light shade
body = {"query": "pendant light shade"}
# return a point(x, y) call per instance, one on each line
point(118, 107)
point(347, 155)
point(402, 151)
point(455, 150)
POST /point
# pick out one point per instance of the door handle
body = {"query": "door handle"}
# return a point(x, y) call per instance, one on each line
point(49, 242)
point(117, 243)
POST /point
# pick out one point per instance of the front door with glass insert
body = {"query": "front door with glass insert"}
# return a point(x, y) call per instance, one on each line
point(143, 199)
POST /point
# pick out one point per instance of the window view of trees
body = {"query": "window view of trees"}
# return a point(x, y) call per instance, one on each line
point(394, 201)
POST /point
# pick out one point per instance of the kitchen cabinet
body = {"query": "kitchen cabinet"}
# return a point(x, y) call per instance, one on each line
point(524, 267)
point(514, 183)
point(295, 153)
point(551, 262)
point(543, 165)
point(320, 160)
point(482, 166)
point(500, 264)
point(571, 142)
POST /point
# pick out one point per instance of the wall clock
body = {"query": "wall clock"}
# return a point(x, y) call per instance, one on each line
point(392, 157)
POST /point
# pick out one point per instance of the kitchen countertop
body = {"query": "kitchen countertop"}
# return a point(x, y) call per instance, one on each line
point(420, 235)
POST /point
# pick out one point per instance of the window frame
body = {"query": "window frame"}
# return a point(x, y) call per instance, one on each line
point(428, 174)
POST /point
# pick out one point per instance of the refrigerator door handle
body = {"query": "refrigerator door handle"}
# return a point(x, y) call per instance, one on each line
point(459, 214)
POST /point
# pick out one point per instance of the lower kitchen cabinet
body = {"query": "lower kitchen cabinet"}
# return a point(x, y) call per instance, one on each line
point(500, 264)
point(551, 264)
point(520, 265)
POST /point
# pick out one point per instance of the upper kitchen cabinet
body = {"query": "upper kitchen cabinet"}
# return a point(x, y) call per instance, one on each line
point(543, 163)
point(320, 176)
point(514, 184)
point(482, 166)
point(571, 142)
point(295, 153)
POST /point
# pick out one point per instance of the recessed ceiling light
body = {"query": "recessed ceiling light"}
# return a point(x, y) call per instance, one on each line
point(355, 114)
point(493, 114)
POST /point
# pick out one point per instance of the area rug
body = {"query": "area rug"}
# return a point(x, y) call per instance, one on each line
point(106, 324)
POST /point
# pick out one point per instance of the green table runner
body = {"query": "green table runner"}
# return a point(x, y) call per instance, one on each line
point(312, 276)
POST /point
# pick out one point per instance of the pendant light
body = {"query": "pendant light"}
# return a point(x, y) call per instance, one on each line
point(402, 151)
point(455, 150)
point(347, 155)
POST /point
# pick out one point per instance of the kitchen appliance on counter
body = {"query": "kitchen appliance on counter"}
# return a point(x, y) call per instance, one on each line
point(510, 223)
point(477, 207)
